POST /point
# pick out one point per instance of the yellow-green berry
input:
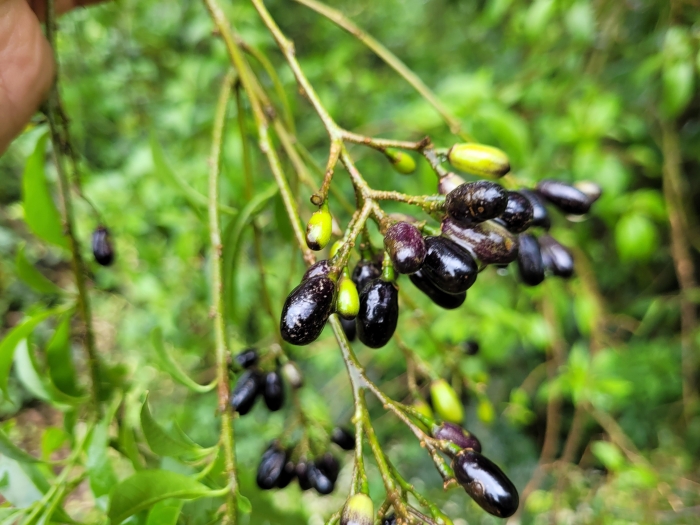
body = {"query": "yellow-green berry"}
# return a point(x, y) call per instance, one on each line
point(402, 161)
point(319, 229)
point(358, 510)
point(481, 160)
point(445, 401)
point(347, 302)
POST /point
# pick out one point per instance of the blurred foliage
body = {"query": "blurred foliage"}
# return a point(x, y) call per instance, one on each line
point(572, 89)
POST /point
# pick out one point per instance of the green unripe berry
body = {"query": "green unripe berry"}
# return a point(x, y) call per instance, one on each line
point(423, 408)
point(319, 229)
point(347, 302)
point(358, 510)
point(445, 402)
point(481, 160)
point(402, 161)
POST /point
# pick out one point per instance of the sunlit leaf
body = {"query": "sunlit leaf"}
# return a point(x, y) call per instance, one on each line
point(172, 367)
point(32, 276)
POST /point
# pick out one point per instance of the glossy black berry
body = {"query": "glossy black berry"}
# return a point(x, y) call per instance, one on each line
point(349, 329)
point(329, 466)
point(530, 264)
point(540, 214)
point(476, 201)
point(247, 358)
point(343, 438)
point(302, 473)
point(306, 310)
point(470, 347)
point(288, 473)
point(271, 467)
point(556, 257)
point(564, 196)
point(364, 272)
point(487, 485)
point(405, 246)
point(449, 266)
point(102, 248)
point(379, 313)
point(444, 300)
point(457, 435)
point(319, 269)
point(246, 391)
point(488, 241)
point(273, 390)
point(518, 215)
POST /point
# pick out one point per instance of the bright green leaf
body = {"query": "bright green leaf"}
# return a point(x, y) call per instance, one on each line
point(172, 367)
point(165, 512)
point(60, 361)
point(32, 276)
point(678, 83)
point(100, 472)
point(608, 454)
point(165, 443)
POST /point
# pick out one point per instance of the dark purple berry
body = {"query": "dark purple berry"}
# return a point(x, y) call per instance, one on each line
point(540, 215)
point(247, 358)
point(444, 300)
point(349, 328)
point(564, 196)
point(246, 391)
point(319, 269)
point(364, 272)
point(530, 264)
point(343, 438)
point(273, 390)
point(457, 435)
point(448, 266)
point(519, 213)
point(476, 202)
point(405, 246)
point(471, 347)
point(306, 310)
point(271, 467)
point(102, 246)
point(379, 313)
point(489, 242)
point(556, 257)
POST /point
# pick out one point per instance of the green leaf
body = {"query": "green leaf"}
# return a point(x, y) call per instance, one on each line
point(12, 339)
point(9, 449)
point(60, 361)
point(100, 472)
point(165, 443)
point(244, 504)
point(52, 439)
point(636, 238)
point(608, 454)
point(32, 276)
point(165, 512)
point(172, 367)
point(678, 82)
point(40, 212)
point(146, 488)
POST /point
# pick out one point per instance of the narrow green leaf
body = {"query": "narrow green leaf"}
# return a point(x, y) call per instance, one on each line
point(232, 239)
point(100, 472)
point(40, 212)
point(9, 449)
point(146, 488)
point(33, 277)
point(12, 339)
point(172, 367)
point(162, 442)
point(165, 512)
point(51, 440)
point(244, 504)
point(60, 361)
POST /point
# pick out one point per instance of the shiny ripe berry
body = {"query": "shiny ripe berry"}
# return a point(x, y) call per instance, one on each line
point(471, 347)
point(488, 241)
point(448, 266)
point(540, 215)
point(379, 313)
point(445, 402)
point(364, 272)
point(530, 264)
point(247, 357)
point(319, 480)
point(476, 202)
point(556, 257)
point(449, 182)
point(273, 390)
point(301, 470)
point(271, 467)
point(319, 229)
point(519, 213)
point(349, 328)
point(405, 246)
point(444, 300)
point(102, 248)
point(288, 473)
point(343, 438)
point(457, 435)
point(358, 510)
point(564, 196)
point(306, 310)
point(319, 269)
point(246, 391)
point(479, 159)
point(347, 302)
point(402, 161)
point(487, 485)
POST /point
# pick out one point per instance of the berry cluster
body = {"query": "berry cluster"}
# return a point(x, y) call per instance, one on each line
point(253, 383)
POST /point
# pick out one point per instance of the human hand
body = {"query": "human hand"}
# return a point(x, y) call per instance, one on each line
point(26, 62)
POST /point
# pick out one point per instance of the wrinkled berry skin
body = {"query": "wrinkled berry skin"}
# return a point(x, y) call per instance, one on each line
point(288, 473)
point(444, 300)
point(519, 213)
point(343, 438)
point(246, 391)
point(349, 328)
point(565, 197)
point(306, 310)
point(271, 467)
point(405, 246)
point(556, 257)
point(488, 241)
point(476, 202)
point(448, 266)
point(273, 390)
point(319, 269)
point(457, 435)
point(102, 247)
point(247, 358)
point(486, 483)
point(364, 272)
point(530, 264)
point(379, 313)
point(540, 215)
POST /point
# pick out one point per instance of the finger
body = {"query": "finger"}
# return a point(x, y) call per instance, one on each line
point(62, 6)
point(26, 68)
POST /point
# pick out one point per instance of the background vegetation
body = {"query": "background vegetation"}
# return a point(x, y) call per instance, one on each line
point(584, 391)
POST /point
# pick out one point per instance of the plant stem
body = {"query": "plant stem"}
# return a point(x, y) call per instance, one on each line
point(60, 138)
point(222, 351)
